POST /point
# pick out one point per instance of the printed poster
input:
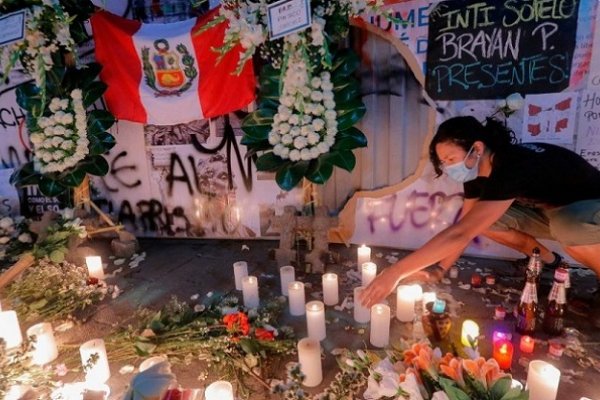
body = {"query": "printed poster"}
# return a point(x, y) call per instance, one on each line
point(550, 118)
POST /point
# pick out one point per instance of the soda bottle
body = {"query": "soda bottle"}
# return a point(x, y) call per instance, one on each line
point(535, 264)
point(526, 311)
point(554, 319)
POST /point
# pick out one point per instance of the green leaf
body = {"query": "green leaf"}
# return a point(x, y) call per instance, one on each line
point(289, 175)
point(99, 121)
point(29, 98)
point(516, 394)
point(341, 83)
point(269, 162)
point(95, 165)
point(144, 349)
point(25, 175)
point(500, 387)
point(73, 177)
point(57, 256)
point(453, 392)
point(257, 124)
point(347, 93)
point(350, 113)
point(54, 80)
point(250, 346)
point(37, 305)
point(93, 92)
point(50, 187)
point(81, 78)
point(350, 139)
point(319, 170)
point(345, 63)
point(344, 159)
point(101, 143)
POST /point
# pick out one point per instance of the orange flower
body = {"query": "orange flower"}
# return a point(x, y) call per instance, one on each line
point(264, 334)
point(453, 370)
point(486, 372)
point(237, 323)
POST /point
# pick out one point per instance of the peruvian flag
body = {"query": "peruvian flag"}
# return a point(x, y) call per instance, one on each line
point(167, 74)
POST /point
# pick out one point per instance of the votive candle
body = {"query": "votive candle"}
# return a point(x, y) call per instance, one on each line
point(219, 390)
point(417, 292)
point(542, 380)
point(453, 273)
point(297, 298)
point(240, 271)
point(362, 314)
point(405, 303)
point(10, 331)
point(309, 358)
point(287, 274)
point(470, 329)
point(363, 255)
point(330, 289)
point(250, 291)
point(94, 266)
point(503, 353)
point(45, 349)
point(97, 372)
point(315, 320)
point(527, 344)
point(439, 306)
point(380, 325)
point(369, 271)
point(428, 297)
point(500, 335)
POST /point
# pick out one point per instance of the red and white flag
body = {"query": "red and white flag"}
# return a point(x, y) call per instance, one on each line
point(166, 74)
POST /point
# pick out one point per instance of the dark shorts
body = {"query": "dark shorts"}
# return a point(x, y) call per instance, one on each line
point(575, 224)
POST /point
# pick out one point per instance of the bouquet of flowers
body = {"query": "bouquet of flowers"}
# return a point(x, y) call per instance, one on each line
point(16, 369)
point(15, 239)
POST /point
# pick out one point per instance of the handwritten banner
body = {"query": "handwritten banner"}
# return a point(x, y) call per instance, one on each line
point(489, 49)
point(588, 139)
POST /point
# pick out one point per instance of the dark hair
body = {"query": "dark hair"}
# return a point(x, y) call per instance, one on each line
point(464, 131)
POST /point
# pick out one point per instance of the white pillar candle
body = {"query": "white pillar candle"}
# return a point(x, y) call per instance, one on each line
point(542, 380)
point(45, 349)
point(369, 270)
point(240, 271)
point(309, 357)
point(98, 371)
point(380, 325)
point(428, 297)
point(219, 390)
point(18, 392)
point(362, 314)
point(10, 331)
point(470, 329)
point(363, 255)
point(250, 292)
point(330, 289)
point(405, 303)
point(94, 266)
point(287, 274)
point(315, 320)
point(417, 292)
point(297, 298)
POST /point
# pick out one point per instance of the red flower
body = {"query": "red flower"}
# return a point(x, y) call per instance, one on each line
point(92, 281)
point(237, 323)
point(264, 334)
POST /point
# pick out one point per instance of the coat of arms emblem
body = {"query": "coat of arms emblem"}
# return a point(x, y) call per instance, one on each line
point(168, 72)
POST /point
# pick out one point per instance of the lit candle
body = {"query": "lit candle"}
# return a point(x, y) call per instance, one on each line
point(81, 391)
point(45, 349)
point(287, 274)
point(11, 331)
point(490, 280)
point(364, 255)
point(527, 344)
point(240, 271)
point(94, 266)
point(369, 270)
point(470, 333)
point(219, 390)
point(309, 357)
point(542, 380)
point(439, 306)
point(405, 304)
point(297, 298)
point(417, 292)
point(315, 320)
point(476, 280)
point(18, 392)
point(362, 314)
point(453, 273)
point(152, 361)
point(96, 371)
point(555, 349)
point(330, 289)
point(380, 325)
point(250, 292)
point(500, 335)
point(428, 297)
point(499, 313)
point(503, 353)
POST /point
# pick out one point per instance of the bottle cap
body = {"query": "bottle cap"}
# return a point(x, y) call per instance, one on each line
point(561, 275)
point(536, 250)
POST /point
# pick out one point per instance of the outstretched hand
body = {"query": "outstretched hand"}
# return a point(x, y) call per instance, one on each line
point(380, 288)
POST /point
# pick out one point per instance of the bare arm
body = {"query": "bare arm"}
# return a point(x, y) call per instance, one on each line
point(448, 261)
point(446, 243)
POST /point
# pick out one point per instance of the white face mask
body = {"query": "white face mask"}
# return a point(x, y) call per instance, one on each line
point(460, 172)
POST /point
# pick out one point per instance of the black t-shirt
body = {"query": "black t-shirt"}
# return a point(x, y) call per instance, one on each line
point(537, 175)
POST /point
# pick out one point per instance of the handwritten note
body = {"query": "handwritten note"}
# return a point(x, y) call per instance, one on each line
point(485, 49)
point(12, 27)
point(588, 135)
point(594, 75)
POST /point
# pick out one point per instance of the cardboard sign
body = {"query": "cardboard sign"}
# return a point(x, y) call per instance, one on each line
point(12, 27)
point(287, 17)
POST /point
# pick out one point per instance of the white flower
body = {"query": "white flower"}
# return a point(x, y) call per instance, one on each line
point(323, 147)
point(284, 128)
point(313, 138)
point(4, 239)
point(327, 95)
point(307, 130)
point(305, 154)
point(295, 155)
point(294, 119)
point(330, 115)
point(314, 152)
point(316, 95)
point(515, 102)
point(76, 94)
point(295, 131)
point(315, 82)
point(300, 142)
point(318, 124)
point(326, 85)
point(274, 138)
point(287, 139)
point(287, 101)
